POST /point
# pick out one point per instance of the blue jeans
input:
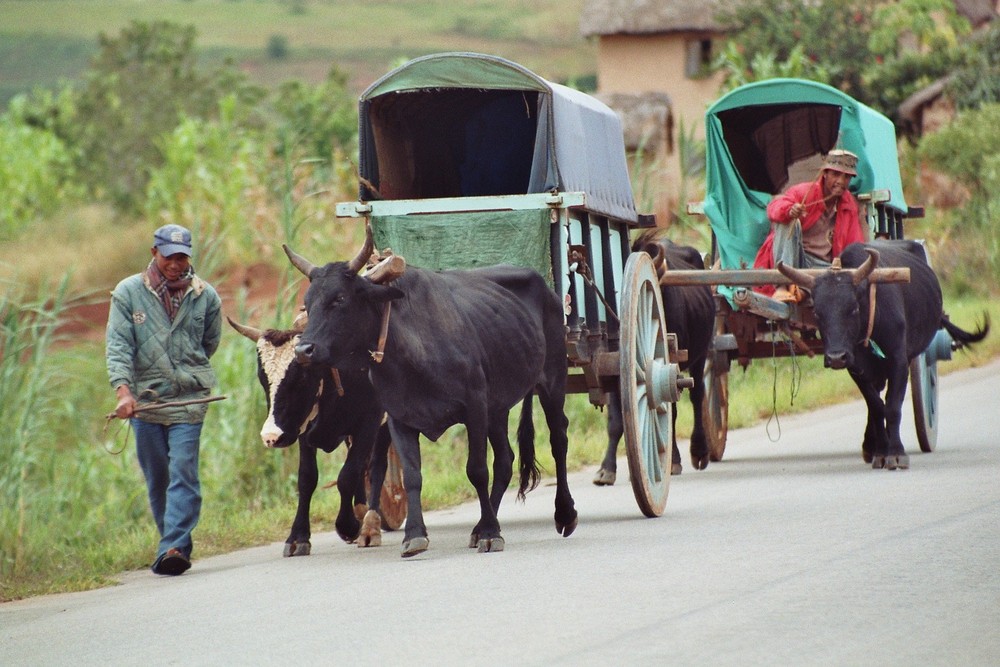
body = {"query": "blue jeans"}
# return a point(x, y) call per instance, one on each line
point(168, 456)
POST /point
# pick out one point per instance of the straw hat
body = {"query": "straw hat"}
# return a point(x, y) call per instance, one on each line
point(843, 161)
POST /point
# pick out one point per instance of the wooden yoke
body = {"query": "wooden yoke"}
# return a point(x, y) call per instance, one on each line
point(767, 276)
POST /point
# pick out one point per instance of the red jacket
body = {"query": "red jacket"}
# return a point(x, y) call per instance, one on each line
point(846, 226)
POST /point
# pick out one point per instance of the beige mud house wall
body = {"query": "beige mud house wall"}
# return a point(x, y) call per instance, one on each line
point(651, 63)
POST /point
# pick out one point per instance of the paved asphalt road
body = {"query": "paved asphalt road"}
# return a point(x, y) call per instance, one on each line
point(787, 553)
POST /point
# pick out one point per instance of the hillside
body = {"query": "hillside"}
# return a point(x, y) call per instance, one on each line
point(43, 41)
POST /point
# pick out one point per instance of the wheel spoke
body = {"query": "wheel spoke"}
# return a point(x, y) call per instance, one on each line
point(661, 444)
point(642, 343)
point(655, 472)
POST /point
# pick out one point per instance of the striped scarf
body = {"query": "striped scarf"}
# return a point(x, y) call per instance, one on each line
point(171, 293)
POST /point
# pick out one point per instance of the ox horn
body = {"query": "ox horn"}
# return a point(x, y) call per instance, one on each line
point(866, 267)
point(362, 257)
point(298, 261)
point(249, 332)
point(800, 278)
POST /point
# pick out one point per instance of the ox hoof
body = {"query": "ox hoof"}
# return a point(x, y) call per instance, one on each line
point(700, 463)
point(605, 477)
point(867, 456)
point(371, 530)
point(490, 545)
point(297, 549)
point(676, 468)
point(415, 546)
point(892, 462)
point(566, 529)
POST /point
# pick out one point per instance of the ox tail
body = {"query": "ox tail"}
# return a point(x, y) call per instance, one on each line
point(530, 474)
point(964, 338)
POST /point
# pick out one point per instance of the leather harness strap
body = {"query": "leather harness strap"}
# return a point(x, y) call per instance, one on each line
point(336, 381)
point(382, 334)
point(871, 313)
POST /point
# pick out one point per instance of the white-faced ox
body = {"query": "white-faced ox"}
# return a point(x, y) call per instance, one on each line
point(321, 409)
point(690, 313)
point(460, 347)
point(876, 340)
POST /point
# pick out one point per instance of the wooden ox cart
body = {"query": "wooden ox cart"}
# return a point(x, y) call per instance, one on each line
point(468, 160)
point(759, 138)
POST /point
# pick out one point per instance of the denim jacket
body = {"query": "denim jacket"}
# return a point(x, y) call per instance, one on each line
point(149, 353)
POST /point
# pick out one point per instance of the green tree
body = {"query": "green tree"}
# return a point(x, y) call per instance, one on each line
point(914, 43)
point(831, 33)
point(316, 120)
point(877, 52)
point(139, 85)
point(969, 150)
point(738, 71)
point(977, 78)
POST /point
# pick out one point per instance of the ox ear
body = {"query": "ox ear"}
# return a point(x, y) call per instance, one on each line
point(301, 320)
point(299, 262)
point(866, 267)
point(800, 278)
point(655, 250)
point(380, 293)
point(249, 332)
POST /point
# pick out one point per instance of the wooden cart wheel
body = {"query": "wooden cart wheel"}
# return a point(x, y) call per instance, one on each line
point(924, 391)
point(645, 374)
point(393, 496)
point(715, 407)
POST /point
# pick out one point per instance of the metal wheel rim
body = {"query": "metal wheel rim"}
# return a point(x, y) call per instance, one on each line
point(648, 430)
point(924, 390)
point(716, 410)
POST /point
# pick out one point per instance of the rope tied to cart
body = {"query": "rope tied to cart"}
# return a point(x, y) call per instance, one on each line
point(578, 264)
point(795, 384)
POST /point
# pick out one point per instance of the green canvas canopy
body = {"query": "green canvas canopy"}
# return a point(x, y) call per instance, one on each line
point(757, 134)
point(474, 125)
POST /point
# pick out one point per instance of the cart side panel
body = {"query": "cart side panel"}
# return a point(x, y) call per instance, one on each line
point(469, 240)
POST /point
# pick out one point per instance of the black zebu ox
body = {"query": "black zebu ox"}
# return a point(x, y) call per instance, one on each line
point(459, 347)
point(876, 342)
point(320, 410)
point(690, 313)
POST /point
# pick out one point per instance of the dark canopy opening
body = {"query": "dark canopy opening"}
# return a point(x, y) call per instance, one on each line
point(452, 142)
point(765, 140)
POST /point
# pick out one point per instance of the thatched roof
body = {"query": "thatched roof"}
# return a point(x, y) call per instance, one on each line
point(637, 17)
point(979, 12)
point(611, 17)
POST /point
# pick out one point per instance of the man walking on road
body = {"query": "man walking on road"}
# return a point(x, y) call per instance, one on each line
point(163, 326)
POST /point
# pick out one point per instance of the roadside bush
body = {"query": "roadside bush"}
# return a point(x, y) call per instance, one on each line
point(316, 120)
point(36, 175)
point(968, 150)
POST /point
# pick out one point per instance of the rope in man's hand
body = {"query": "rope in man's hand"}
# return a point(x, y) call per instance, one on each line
point(156, 405)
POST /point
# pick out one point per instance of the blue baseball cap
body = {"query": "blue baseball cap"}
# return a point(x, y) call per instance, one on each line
point(172, 239)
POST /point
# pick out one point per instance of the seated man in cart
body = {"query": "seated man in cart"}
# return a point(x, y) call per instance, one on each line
point(812, 222)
